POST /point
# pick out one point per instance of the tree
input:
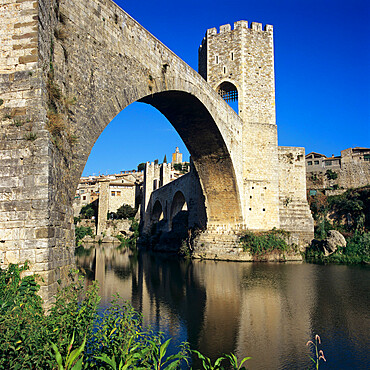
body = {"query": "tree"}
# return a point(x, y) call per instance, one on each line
point(125, 211)
point(87, 211)
point(141, 167)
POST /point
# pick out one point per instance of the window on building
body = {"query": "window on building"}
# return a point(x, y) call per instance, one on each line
point(328, 163)
point(84, 197)
point(224, 70)
point(367, 157)
point(82, 191)
point(113, 193)
point(118, 193)
point(232, 56)
point(309, 163)
point(216, 59)
point(316, 162)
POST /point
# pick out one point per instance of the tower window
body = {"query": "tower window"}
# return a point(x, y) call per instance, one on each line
point(216, 59)
point(232, 56)
point(228, 91)
point(224, 70)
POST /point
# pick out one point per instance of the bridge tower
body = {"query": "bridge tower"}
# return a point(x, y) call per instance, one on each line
point(239, 64)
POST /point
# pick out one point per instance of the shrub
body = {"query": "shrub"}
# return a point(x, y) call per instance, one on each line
point(265, 242)
point(125, 212)
point(81, 232)
point(87, 211)
point(331, 175)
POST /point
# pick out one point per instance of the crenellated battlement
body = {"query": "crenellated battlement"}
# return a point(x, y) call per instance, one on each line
point(255, 26)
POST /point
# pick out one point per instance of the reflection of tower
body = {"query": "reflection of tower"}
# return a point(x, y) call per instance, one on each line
point(177, 156)
point(239, 64)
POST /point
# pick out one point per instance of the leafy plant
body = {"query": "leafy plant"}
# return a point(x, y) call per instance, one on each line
point(30, 136)
point(207, 363)
point(87, 211)
point(234, 361)
point(73, 360)
point(26, 332)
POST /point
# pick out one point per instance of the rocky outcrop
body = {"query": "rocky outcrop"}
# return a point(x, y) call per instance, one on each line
point(331, 243)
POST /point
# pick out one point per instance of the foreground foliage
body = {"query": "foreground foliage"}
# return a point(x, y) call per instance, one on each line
point(74, 335)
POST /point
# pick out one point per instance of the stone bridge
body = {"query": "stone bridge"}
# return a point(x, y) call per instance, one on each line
point(182, 194)
point(68, 67)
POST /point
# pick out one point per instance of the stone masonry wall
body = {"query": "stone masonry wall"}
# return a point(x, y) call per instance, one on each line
point(30, 227)
point(295, 214)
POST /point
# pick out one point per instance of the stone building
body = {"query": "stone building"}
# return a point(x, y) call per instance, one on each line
point(338, 173)
point(108, 193)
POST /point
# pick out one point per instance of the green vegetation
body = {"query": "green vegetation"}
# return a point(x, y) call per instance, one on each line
point(26, 332)
point(182, 167)
point(130, 242)
point(73, 335)
point(319, 354)
point(262, 243)
point(125, 212)
point(348, 213)
point(31, 136)
point(141, 167)
point(87, 211)
point(81, 232)
point(357, 251)
point(331, 175)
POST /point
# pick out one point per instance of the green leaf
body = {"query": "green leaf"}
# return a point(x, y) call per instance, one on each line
point(243, 360)
point(107, 360)
point(78, 365)
point(173, 365)
point(58, 357)
point(163, 349)
point(74, 354)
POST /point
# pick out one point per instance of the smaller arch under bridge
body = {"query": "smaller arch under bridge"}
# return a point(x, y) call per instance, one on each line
point(179, 203)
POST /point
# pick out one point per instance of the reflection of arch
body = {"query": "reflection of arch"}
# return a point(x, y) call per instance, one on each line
point(228, 91)
point(178, 204)
point(157, 213)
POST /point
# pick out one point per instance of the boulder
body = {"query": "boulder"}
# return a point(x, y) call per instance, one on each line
point(334, 240)
point(330, 244)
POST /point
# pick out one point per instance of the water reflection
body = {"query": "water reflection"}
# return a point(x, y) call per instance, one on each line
point(267, 311)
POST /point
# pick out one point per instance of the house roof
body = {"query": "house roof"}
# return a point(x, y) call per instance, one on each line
point(314, 153)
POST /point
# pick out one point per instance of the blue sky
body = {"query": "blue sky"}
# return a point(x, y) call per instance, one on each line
point(322, 75)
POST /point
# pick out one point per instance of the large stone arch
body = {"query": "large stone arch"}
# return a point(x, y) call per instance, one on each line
point(82, 63)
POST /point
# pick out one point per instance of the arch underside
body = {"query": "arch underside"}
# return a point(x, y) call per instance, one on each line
point(208, 150)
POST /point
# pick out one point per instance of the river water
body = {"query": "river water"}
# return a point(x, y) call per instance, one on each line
point(264, 310)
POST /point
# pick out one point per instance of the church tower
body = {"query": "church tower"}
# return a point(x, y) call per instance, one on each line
point(239, 64)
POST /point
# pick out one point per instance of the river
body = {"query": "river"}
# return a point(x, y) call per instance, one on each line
point(264, 310)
